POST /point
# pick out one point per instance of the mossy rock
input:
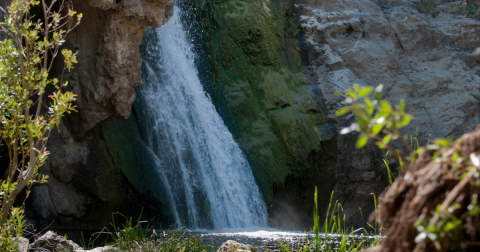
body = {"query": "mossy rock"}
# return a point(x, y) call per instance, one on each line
point(259, 81)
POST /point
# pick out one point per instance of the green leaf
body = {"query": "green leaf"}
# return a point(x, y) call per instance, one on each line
point(377, 128)
point(443, 142)
point(356, 87)
point(369, 106)
point(402, 105)
point(385, 106)
point(362, 140)
point(387, 138)
point(405, 120)
point(343, 111)
point(455, 156)
point(338, 93)
point(350, 93)
point(451, 225)
point(364, 91)
point(381, 145)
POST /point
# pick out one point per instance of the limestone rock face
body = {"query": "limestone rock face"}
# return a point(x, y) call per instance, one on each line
point(85, 185)
point(421, 53)
point(108, 41)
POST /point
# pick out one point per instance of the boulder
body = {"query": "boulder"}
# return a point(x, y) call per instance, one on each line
point(435, 192)
point(23, 244)
point(233, 246)
point(52, 241)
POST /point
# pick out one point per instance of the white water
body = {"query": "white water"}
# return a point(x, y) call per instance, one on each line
point(209, 182)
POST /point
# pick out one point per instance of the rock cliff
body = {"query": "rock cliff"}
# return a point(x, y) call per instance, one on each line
point(267, 101)
point(86, 181)
point(421, 51)
point(276, 66)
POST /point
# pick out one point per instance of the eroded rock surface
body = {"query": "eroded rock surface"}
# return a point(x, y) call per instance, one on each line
point(86, 184)
point(108, 41)
point(421, 51)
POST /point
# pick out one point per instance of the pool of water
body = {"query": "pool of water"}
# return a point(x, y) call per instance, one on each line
point(270, 239)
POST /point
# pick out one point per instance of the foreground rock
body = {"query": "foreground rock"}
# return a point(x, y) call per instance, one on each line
point(100, 249)
point(233, 246)
point(23, 244)
point(415, 198)
point(51, 241)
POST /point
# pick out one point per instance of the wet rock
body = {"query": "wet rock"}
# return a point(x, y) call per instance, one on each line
point(327, 131)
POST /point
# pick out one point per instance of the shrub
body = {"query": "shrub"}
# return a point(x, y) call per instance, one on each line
point(28, 112)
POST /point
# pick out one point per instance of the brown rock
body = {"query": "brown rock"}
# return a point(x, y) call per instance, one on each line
point(107, 41)
point(422, 188)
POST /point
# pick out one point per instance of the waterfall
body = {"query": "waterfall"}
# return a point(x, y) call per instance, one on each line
point(207, 178)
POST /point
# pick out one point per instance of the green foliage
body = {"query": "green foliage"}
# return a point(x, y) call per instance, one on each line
point(375, 118)
point(471, 9)
point(28, 113)
point(14, 227)
point(428, 5)
point(139, 236)
point(130, 232)
point(335, 235)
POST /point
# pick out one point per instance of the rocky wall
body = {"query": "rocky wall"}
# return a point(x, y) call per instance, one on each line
point(268, 103)
point(421, 51)
point(277, 66)
point(93, 166)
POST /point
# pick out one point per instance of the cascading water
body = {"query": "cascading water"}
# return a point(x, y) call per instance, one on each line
point(207, 178)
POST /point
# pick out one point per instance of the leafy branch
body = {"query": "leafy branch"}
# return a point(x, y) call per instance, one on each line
point(28, 113)
point(375, 118)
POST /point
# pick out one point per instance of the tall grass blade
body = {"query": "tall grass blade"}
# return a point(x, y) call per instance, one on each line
point(389, 172)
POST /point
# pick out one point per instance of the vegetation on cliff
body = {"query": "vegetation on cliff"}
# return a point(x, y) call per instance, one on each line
point(261, 91)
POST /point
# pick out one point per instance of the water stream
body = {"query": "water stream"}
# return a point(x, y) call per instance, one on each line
point(208, 181)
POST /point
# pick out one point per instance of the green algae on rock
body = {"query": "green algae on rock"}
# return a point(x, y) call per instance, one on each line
point(258, 72)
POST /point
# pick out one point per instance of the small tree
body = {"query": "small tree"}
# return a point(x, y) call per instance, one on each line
point(27, 112)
